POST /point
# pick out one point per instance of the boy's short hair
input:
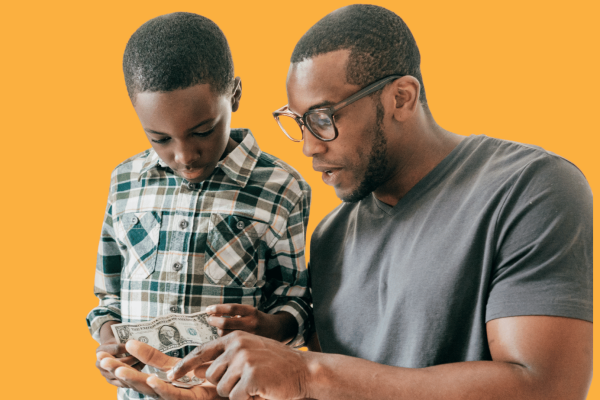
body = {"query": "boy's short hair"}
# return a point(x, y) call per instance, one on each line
point(176, 51)
point(379, 41)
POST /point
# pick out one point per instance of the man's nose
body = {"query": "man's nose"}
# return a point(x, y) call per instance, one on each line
point(312, 146)
point(186, 155)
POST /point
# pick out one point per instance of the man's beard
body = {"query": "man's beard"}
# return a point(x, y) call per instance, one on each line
point(375, 173)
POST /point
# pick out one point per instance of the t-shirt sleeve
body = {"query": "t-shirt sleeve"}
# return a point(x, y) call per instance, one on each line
point(543, 260)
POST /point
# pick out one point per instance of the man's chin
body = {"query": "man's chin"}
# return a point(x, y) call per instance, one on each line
point(351, 196)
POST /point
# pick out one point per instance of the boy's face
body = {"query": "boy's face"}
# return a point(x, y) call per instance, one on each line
point(189, 128)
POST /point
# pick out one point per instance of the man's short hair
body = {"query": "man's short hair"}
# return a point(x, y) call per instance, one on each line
point(176, 51)
point(379, 41)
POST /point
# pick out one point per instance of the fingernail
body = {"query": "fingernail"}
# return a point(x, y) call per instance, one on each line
point(210, 309)
point(170, 375)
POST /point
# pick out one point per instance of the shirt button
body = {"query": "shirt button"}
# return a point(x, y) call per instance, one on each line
point(176, 353)
point(177, 266)
point(192, 186)
point(174, 309)
point(183, 224)
point(134, 220)
point(240, 225)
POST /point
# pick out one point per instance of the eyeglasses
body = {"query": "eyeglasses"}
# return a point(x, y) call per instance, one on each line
point(320, 121)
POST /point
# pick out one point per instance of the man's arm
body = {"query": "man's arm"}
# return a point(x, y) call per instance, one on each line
point(534, 357)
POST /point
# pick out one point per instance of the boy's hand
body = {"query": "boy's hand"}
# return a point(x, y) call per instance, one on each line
point(110, 348)
point(151, 385)
point(281, 326)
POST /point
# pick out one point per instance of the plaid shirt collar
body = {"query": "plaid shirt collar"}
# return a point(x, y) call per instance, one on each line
point(238, 164)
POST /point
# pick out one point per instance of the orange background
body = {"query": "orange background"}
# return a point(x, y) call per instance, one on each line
point(517, 70)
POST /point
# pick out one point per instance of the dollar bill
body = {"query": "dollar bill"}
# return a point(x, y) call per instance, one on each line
point(185, 382)
point(168, 332)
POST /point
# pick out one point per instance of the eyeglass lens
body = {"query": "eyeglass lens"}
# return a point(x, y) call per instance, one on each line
point(290, 127)
point(319, 123)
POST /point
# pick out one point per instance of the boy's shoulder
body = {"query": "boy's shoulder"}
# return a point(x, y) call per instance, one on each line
point(134, 165)
point(267, 162)
point(267, 170)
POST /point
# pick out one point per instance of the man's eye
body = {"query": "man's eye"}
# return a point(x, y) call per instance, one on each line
point(165, 140)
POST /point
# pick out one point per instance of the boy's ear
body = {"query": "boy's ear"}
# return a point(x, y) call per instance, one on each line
point(236, 95)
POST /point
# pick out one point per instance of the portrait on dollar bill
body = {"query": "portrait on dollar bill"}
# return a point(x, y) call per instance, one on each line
point(169, 335)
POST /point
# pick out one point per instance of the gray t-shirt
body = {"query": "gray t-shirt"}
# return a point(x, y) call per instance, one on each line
point(497, 229)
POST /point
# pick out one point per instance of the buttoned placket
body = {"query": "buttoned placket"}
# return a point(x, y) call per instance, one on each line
point(186, 201)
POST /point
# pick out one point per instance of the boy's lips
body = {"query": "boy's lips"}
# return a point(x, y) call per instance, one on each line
point(190, 174)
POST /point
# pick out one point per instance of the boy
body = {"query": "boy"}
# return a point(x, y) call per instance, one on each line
point(204, 217)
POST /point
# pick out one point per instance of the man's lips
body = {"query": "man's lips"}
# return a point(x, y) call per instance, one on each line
point(330, 173)
point(326, 168)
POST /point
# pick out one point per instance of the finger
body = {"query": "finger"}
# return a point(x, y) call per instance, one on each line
point(170, 392)
point(149, 355)
point(107, 369)
point(233, 324)
point(227, 383)
point(202, 354)
point(139, 366)
point(102, 355)
point(231, 309)
point(129, 360)
point(200, 371)
point(112, 349)
point(135, 379)
point(111, 365)
point(117, 383)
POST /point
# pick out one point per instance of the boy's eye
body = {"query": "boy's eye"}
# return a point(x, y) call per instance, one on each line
point(204, 134)
point(165, 140)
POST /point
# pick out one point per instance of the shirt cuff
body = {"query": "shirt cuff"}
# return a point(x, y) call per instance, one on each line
point(298, 311)
point(95, 322)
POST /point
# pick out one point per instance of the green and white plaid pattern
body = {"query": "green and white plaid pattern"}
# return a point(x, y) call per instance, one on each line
point(171, 246)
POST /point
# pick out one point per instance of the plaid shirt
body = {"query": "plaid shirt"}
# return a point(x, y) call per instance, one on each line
point(170, 246)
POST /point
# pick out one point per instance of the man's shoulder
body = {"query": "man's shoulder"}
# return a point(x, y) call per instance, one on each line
point(502, 159)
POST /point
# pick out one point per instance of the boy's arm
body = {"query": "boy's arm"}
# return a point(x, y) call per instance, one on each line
point(107, 283)
point(286, 314)
point(287, 282)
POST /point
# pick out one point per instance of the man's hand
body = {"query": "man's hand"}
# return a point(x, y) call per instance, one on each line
point(227, 318)
point(151, 385)
point(246, 366)
point(110, 348)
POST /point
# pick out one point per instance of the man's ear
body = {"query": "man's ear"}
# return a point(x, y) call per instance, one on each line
point(406, 97)
point(236, 95)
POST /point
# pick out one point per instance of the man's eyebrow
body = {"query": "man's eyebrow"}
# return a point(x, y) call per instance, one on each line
point(190, 129)
point(321, 104)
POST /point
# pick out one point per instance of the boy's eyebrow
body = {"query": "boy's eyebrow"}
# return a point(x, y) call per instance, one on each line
point(190, 129)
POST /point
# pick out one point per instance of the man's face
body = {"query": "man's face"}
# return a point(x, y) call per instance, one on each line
point(188, 128)
point(355, 163)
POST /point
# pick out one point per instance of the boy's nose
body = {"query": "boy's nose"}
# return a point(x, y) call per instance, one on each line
point(186, 156)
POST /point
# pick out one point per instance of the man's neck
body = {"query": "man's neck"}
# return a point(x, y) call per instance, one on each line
point(412, 159)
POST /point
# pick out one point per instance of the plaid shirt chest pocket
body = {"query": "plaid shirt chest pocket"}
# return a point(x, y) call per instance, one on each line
point(234, 248)
point(140, 233)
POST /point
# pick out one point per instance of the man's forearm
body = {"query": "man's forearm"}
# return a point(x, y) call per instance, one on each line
point(340, 377)
point(535, 357)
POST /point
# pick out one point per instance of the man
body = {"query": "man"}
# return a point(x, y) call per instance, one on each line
point(456, 268)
